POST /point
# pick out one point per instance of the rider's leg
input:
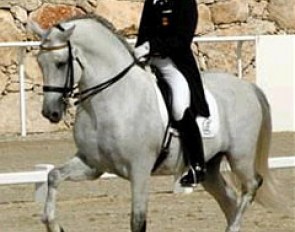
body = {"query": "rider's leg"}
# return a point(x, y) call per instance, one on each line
point(187, 126)
point(177, 83)
point(193, 149)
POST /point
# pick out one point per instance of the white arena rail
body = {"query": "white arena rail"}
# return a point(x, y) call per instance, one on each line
point(39, 176)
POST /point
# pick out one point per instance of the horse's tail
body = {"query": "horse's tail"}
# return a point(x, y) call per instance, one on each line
point(270, 193)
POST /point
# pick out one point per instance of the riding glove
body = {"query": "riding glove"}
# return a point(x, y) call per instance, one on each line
point(142, 51)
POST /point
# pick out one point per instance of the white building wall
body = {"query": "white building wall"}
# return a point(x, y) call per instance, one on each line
point(276, 76)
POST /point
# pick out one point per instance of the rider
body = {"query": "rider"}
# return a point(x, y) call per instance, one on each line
point(165, 35)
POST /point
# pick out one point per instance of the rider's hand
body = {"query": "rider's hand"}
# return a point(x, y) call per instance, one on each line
point(141, 52)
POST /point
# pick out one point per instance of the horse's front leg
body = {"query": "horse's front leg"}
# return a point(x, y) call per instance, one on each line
point(139, 188)
point(74, 170)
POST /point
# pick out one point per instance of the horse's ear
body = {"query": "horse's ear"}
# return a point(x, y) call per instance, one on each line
point(35, 28)
point(66, 34)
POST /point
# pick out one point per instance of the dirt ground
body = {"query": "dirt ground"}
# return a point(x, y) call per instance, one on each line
point(104, 205)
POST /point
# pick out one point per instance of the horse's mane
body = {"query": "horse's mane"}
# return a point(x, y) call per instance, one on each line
point(105, 23)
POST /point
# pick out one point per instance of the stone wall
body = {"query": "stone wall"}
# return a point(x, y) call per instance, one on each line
point(217, 17)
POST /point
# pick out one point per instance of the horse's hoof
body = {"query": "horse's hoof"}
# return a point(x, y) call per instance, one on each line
point(61, 229)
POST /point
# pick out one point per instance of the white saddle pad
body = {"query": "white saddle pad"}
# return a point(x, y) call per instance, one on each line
point(208, 126)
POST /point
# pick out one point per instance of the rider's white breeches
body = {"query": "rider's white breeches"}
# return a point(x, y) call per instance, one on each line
point(178, 84)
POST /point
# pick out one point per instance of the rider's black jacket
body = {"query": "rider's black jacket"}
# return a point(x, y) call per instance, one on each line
point(169, 26)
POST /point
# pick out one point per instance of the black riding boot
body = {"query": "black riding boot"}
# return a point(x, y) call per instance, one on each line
point(192, 149)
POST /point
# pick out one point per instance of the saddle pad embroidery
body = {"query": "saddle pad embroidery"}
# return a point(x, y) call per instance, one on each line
point(209, 126)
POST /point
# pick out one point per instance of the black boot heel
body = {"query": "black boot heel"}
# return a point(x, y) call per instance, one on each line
point(193, 177)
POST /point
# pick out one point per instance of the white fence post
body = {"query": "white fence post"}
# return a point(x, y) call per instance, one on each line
point(42, 187)
point(22, 91)
point(239, 59)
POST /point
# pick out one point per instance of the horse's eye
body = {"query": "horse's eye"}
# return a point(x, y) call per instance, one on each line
point(60, 65)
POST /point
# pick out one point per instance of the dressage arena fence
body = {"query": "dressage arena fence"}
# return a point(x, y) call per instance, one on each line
point(39, 175)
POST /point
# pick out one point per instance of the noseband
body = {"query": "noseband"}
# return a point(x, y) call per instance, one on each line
point(68, 89)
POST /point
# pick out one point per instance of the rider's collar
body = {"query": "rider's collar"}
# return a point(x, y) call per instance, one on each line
point(156, 1)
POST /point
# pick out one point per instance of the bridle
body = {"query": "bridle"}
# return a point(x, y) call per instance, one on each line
point(68, 89)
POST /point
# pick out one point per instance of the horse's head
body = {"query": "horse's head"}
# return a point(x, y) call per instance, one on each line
point(86, 51)
point(57, 61)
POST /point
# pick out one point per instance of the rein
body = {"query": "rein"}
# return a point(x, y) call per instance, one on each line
point(99, 88)
point(69, 88)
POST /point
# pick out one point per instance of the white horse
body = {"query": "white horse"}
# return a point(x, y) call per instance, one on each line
point(119, 128)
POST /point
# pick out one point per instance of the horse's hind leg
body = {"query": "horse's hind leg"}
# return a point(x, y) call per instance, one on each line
point(250, 182)
point(216, 185)
point(74, 170)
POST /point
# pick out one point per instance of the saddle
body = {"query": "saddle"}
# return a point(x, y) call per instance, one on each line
point(208, 126)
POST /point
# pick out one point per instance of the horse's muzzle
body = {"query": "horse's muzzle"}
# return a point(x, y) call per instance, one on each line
point(53, 117)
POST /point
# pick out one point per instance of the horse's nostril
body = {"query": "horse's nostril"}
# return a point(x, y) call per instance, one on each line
point(55, 115)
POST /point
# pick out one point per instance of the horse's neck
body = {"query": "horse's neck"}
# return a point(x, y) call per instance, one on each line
point(102, 53)
point(104, 64)
point(104, 57)
point(134, 92)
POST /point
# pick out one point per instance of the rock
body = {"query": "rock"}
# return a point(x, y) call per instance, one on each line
point(219, 56)
point(8, 55)
point(10, 121)
point(29, 5)
point(12, 69)
point(3, 82)
point(14, 87)
point(205, 23)
point(87, 6)
point(258, 9)
point(62, 2)
point(49, 15)
point(32, 69)
point(230, 11)
point(283, 13)
point(19, 13)
point(253, 27)
point(124, 15)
